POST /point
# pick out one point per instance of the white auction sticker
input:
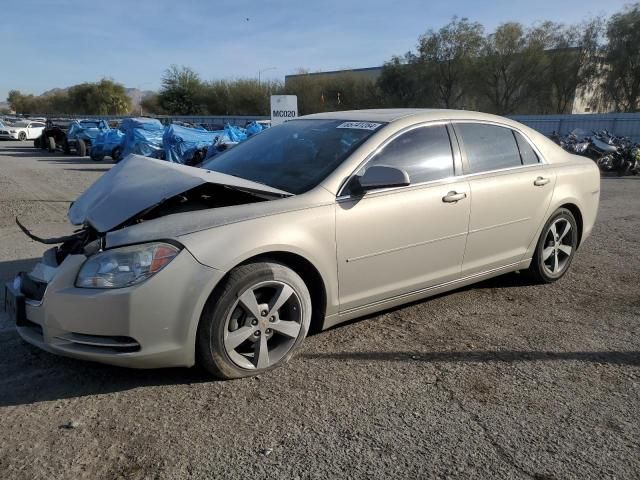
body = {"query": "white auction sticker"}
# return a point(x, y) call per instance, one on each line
point(360, 125)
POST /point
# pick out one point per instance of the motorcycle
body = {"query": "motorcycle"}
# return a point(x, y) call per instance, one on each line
point(611, 153)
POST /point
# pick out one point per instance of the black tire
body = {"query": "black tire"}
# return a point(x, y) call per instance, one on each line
point(44, 142)
point(97, 157)
point(36, 142)
point(65, 147)
point(81, 148)
point(116, 154)
point(539, 268)
point(51, 144)
point(211, 353)
point(22, 136)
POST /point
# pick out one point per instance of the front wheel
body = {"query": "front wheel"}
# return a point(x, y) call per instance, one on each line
point(22, 136)
point(254, 322)
point(556, 247)
point(116, 154)
point(51, 144)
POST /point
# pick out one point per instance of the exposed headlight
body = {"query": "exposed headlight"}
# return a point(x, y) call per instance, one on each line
point(122, 267)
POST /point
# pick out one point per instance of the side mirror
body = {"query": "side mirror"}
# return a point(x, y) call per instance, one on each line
point(380, 176)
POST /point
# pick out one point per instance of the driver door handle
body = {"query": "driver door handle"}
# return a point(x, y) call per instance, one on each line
point(453, 197)
point(541, 181)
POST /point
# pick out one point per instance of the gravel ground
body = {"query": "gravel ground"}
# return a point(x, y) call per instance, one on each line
point(500, 380)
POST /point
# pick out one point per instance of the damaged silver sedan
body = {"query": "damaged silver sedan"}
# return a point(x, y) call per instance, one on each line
point(309, 224)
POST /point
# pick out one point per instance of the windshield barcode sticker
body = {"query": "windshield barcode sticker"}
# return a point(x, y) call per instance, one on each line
point(360, 125)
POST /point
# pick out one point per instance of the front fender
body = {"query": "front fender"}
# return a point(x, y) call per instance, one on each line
point(308, 233)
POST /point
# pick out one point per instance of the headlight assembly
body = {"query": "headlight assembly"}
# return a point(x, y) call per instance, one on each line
point(125, 266)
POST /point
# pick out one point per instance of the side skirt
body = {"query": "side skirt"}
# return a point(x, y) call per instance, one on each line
point(421, 294)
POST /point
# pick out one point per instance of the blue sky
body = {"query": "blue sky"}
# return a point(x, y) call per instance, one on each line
point(57, 43)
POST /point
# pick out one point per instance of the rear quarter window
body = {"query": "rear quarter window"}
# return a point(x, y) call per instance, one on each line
point(527, 154)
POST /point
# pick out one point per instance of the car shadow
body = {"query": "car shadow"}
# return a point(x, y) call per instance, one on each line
point(44, 156)
point(104, 169)
point(474, 356)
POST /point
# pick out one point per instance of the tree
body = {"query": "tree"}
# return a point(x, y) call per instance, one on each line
point(403, 82)
point(181, 92)
point(105, 97)
point(512, 61)
point(448, 56)
point(621, 85)
point(21, 103)
point(571, 62)
point(151, 104)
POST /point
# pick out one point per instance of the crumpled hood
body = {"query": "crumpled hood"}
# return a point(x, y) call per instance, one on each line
point(138, 183)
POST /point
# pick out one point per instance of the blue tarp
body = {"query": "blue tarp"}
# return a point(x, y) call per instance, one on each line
point(180, 143)
point(142, 136)
point(235, 134)
point(253, 128)
point(86, 129)
point(232, 136)
point(106, 141)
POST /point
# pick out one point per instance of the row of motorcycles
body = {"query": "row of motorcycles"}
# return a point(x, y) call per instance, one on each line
point(610, 152)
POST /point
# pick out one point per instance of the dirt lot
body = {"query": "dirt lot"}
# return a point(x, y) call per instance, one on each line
point(501, 380)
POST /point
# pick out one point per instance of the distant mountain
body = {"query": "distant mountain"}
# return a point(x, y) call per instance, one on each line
point(53, 91)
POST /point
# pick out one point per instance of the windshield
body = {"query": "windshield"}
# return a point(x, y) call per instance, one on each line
point(295, 156)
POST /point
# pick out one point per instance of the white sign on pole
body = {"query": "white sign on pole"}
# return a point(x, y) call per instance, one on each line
point(283, 108)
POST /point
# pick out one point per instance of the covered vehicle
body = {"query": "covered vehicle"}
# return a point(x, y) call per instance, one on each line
point(82, 135)
point(187, 145)
point(142, 136)
point(231, 136)
point(309, 224)
point(108, 143)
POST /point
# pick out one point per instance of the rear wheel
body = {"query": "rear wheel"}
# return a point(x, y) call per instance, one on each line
point(254, 322)
point(116, 154)
point(96, 157)
point(556, 247)
point(51, 143)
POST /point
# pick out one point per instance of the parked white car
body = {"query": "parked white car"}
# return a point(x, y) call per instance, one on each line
point(25, 130)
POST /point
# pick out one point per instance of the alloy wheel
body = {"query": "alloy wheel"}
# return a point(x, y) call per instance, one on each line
point(558, 246)
point(263, 325)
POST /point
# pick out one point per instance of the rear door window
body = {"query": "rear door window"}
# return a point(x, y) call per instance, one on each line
point(488, 147)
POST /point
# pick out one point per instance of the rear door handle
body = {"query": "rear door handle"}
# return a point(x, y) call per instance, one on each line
point(541, 181)
point(453, 197)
